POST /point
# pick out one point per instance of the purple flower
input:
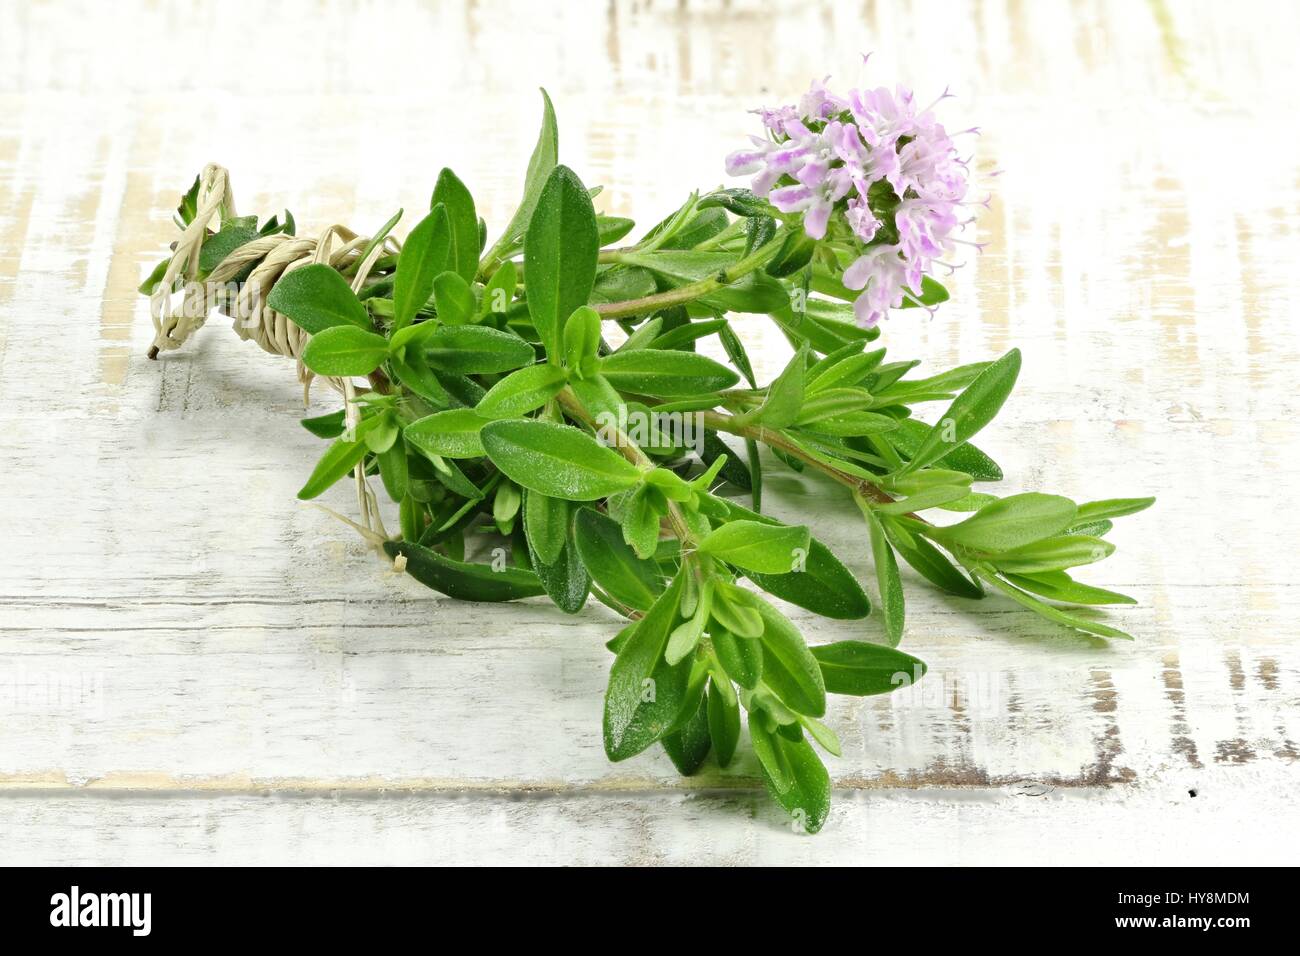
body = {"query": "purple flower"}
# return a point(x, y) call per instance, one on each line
point(872, 175)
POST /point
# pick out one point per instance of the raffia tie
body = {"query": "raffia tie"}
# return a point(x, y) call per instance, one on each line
point(277, 255)
point(338, 246)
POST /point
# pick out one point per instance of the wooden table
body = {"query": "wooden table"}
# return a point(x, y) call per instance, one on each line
point(195, 668)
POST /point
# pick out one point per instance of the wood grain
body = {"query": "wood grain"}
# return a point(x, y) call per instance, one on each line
point(194, 667)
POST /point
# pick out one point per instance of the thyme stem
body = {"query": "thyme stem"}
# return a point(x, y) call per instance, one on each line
point(776, 439)
point(629, 450)
point(693, 290)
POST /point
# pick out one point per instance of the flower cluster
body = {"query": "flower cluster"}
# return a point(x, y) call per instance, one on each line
point(873, 176)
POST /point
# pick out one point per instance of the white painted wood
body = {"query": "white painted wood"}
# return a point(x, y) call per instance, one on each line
point(1237, 814)
point(180, 638)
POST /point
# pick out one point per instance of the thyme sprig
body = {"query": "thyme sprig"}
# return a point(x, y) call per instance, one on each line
point(497, 410)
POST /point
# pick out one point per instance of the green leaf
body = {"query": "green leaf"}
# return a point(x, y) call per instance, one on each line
point(505, 506)
point(784, 398)
point(756, 473)
point(416, 375)
point(930, 562)
point(833, 402)
point(789, 667)
point(325, 426)
point(844, 368)
point(339, 459)
point(643, 335)
point(500, 290)
point(851, 424)
point(383, 433)
point(1056, 615)
point(733, 469)
point(776, 772)
point(559, 255)
point(736, 610)
point(557, 460)
point(409, 340)
point(620, 283)
point(216, 248)
point(378, 238)
point(704, 225)
point(736, 353)
point(641, 518)
point(758, 546)
point(462, 580)
point(598, 397)
point(934, 388)
point(345, 350)
point(824, 335)
point(540, 164)
point(723, 712)
point(424, 256)
point(522, 391)
point(972, 502)
point(448, 474)
point(795, 253)
point(316, 298)
point(823, 585)
point(742, 659)
point(1098, 529)
point(644, 694)
point(613, 565)
point(825, 737)
point(681, 266)
point(911, 433)
point(932, 293)
point(453, 433)
point(546, 522)
point(411, 517)
point(685, 637)
point(969, 412)
point(926, 479)
point(1059, 586)
point(1053, 554)
point(475, 350)
point(189, 204)
point(741, 202)
point(932, 497)
point(450, 192)
point(688, 746)
point(1011, 522)
point(581, 336)
point(154, 278)
point(612, 228)
point(666, 372)
point(685, 336)
point(1113, 508)
point(887, 580)
point(859, 669)
point(565, 579)
point(453, 299)
point(462, 389)
point(794, 774)
point(394, 471)
point(756, 292)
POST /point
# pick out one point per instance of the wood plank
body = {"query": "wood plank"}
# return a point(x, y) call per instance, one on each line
point(1232, 817)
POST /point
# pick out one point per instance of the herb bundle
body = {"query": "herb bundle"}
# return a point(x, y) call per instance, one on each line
point(500, 420)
